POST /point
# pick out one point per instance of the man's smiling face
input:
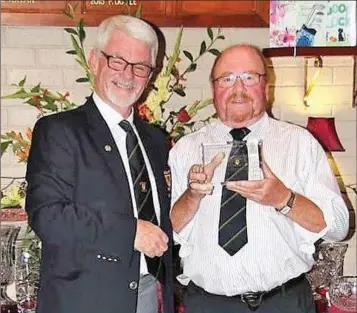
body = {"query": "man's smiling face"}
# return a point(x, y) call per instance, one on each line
point(120, 89)
point(240, 105)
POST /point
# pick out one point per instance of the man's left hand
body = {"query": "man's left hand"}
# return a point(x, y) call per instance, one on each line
point(270, 191)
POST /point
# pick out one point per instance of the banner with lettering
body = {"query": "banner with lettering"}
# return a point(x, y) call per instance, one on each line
point(312, 23)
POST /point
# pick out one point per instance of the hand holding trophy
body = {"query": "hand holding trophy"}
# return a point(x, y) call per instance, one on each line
point(238, 156)
point(200, 176)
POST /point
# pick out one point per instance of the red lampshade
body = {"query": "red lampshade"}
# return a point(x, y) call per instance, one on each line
point(324, 130)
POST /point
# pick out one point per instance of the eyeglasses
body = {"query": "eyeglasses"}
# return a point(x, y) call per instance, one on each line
point(119, 64)
point(248, 79)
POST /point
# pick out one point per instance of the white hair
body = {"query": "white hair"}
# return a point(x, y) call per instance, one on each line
point(132, 26)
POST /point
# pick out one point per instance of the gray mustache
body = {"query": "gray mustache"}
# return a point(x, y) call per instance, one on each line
point(235, 97)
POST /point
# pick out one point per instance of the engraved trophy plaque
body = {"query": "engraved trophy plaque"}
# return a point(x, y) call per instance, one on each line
point(237, 154)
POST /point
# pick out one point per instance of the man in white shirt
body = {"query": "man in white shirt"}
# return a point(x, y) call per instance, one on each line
point(281, 216)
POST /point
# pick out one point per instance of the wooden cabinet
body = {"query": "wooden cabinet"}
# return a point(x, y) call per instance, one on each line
point(34, 12)
point(223, 13)
point(173, 13)
point(33, 6)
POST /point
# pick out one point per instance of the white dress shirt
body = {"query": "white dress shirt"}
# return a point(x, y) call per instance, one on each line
point(278, 249)
point(113, 118)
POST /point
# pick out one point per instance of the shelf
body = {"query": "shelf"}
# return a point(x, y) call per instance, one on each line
point(309, 51)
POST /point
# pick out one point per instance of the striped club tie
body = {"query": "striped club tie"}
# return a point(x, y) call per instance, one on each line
point(232, 222)
point(142, 191)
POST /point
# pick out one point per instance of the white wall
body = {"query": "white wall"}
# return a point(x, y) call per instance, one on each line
point(39, 53)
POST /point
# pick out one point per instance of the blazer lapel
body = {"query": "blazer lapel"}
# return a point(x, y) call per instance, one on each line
point(103, 140)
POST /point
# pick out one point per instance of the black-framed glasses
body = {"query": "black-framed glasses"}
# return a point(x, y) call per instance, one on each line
point(248, 79)
point(119, 64)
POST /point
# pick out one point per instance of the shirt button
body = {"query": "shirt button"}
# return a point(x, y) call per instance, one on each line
point(133, 285)
point(99, 256)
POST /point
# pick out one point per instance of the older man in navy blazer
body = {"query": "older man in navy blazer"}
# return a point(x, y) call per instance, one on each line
point(99, 251)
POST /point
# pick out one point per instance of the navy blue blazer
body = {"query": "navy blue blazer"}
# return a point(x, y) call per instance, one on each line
point(79, 204)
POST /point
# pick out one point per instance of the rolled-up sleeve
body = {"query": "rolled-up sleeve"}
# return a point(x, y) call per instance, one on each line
point(321, 187)
point(179, 172)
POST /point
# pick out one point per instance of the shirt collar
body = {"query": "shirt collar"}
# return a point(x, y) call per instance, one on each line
point(258, 129)
point(111, 117)
point(221, 131)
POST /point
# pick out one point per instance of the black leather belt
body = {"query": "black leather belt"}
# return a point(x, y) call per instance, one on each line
point(254, 299)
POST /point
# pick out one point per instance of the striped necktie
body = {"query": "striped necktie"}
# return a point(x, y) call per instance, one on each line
point(232, 222)
point(142, 190)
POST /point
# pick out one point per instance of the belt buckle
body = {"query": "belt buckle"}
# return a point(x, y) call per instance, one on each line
point(252, 299)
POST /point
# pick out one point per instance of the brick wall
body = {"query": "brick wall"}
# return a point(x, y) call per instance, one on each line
point(39, 53)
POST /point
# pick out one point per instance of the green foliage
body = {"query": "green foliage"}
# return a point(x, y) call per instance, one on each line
point(78, 35)
point(170, 81)
point(210, 33)
point(352, 187)
point(4, 144)
point(41, 98)
point(188, 55)
point(19, 143)
point(204, 48)
point(15, 196)
point(45, 101)
point(138, 12)
point(173, 58)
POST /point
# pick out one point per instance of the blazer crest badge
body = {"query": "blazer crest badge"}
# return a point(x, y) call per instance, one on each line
point(167, 175)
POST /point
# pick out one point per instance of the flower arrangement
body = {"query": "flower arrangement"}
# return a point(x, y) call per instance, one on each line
point(168, 82)
point(45, 102)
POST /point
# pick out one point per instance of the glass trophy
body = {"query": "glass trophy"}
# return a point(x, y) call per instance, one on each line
point(237, 154)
